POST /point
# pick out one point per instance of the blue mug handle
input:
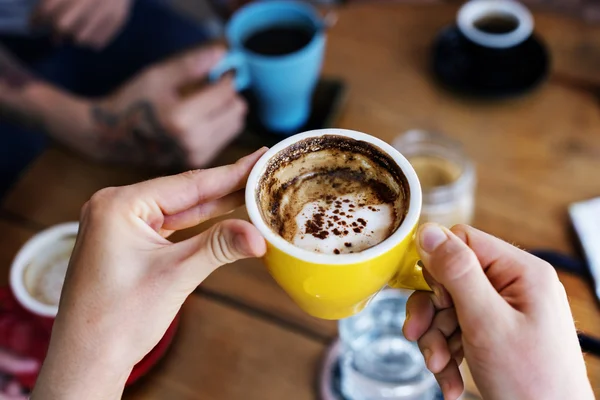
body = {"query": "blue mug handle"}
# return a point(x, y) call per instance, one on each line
point(234, 60)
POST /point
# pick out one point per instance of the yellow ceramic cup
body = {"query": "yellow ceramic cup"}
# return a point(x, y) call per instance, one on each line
point(332, 286)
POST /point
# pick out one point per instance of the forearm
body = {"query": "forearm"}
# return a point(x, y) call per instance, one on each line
point(35, 104)
point(76, 370)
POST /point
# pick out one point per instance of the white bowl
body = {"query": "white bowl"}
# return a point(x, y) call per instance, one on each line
point(36, 247)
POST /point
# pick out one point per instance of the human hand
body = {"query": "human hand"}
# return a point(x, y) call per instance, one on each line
point(126, 281)
point(501, 308)
point(10, 364)
point(88, 22)
point(150, 121)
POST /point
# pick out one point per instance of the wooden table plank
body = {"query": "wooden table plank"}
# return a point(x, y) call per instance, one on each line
point(221, 353)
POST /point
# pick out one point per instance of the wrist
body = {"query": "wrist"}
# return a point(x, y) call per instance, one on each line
point(74, 369)
point(65, 117)
point(69, 120)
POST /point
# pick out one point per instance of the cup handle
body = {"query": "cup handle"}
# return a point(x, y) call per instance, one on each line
point(232, 61)
point(410, 273)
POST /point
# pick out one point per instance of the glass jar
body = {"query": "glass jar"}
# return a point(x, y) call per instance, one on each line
point(446, 173)
point(377, 362)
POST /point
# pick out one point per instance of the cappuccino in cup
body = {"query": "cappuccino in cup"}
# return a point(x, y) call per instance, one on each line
point(39, 269)
point(338, 210)
point(333, 194)
point(45, 274)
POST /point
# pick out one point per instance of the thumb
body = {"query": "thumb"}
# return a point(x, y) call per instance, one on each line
point(223, 243)
point(191, 65)
point(456, 267)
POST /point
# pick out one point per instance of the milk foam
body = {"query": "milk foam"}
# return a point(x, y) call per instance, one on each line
point(50, 281)
point(45, 275)
point(344, 224)
point(333, 194)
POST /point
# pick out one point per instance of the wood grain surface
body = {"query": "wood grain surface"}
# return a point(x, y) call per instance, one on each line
point(535, 155)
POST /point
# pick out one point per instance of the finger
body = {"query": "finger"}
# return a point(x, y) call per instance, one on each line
point(205, 103)
point(192, 65)
point(419, 315)
point(503, 263)
point(96, 32)
point(446, 322)
point(16, 365)
point(435, 351)
point(223, 243)
point(48, 8)
point(488, 248)
point(219, 132)
point(433, 343)
point(455, 346)
point(72, 20)
point(450, 381)
point(104, 27)
point(235, 106)
point(203, 212)
point(177, 193)
point(440, 297)
point(112, 30)
point(454, 265)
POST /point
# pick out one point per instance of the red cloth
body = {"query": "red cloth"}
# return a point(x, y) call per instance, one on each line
point(28, 335)
point(23, 333)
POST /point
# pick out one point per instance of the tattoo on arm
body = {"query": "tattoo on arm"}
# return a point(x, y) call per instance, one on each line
point(137, 135)
point(13, 79)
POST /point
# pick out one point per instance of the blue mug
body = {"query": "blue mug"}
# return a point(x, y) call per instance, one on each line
point(282, 84)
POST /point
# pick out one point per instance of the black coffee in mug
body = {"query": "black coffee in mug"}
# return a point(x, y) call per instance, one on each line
point(279, 40)
point(498, 23)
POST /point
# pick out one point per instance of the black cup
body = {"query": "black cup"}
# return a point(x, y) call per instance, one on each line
point(491, 51)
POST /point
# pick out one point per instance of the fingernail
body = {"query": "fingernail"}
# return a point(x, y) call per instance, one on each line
point(431, 237)
point(262, 149)
point(427, 355)
point(407, 316)
point(240, 243)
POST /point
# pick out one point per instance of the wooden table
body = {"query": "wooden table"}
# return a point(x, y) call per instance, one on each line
point(241, 337)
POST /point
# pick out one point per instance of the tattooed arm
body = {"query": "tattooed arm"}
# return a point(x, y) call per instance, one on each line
point(13, 102)
point(156, 119)
point(147, 122)
point(30, 102)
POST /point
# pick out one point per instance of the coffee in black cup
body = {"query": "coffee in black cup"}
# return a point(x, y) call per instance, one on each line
point(495, 24)
point(499, 23)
